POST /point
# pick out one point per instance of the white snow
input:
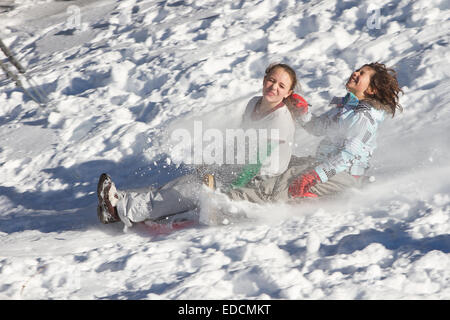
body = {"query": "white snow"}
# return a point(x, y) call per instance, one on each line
point(121, 75)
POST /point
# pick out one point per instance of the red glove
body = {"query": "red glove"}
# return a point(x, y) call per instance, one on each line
point(301, 185)
point(296, 104)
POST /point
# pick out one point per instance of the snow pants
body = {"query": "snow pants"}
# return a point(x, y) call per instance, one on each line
point(273, 189)
point(179, 195)
point(183, 193)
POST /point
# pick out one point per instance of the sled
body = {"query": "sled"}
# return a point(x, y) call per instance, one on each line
point(171, 223)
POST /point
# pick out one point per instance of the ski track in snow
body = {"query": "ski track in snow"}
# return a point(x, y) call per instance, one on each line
point(133, 71)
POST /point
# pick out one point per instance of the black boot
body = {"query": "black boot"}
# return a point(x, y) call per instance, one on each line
point(106, 212)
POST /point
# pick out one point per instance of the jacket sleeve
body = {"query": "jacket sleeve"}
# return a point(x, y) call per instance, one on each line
point(248, 111)
point(321, 125)
point(358, 128)
point(326, 122)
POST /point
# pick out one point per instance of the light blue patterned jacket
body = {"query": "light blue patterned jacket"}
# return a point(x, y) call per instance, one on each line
point(350, 131)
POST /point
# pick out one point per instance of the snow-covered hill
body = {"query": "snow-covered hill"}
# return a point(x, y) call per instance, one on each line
point(121, 75)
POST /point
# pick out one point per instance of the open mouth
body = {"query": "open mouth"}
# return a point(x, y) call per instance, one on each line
point(352, 80)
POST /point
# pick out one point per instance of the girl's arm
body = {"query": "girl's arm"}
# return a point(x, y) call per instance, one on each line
point(246, 117)
point(320, 125)
point(326, 122)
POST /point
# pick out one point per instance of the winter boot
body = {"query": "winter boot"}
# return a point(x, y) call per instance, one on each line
point(107, 200)
point(209, 181)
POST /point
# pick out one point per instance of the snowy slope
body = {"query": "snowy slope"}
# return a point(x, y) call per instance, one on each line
point(121, 75)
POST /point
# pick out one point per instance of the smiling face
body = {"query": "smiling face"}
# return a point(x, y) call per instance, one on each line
point(359, 82)
point(276, 86)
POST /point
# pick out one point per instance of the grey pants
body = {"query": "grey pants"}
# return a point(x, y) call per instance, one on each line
point(179, 195)
point(183, 194)
point(272, 189)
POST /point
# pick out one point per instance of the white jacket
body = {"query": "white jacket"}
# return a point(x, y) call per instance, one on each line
point(280, 129)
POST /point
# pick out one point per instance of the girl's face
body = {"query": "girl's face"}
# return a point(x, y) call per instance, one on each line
point(277, 86)
point(359, 82)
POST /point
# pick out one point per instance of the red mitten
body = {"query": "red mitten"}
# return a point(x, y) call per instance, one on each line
point(300, 186)
point(297, 104)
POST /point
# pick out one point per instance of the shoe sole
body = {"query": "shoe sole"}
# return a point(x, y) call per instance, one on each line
point(209, 181)
point(105, 211)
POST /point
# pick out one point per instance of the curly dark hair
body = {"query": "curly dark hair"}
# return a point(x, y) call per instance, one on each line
point(384, 83)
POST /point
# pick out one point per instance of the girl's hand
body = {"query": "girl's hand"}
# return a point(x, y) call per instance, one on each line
point(299, 188)
point(296, 104)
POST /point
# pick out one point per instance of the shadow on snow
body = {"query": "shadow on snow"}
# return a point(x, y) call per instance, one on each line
point(75, 206)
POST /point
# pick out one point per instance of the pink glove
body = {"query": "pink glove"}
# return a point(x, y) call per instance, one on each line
point(300, 186)
point(297, 104)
